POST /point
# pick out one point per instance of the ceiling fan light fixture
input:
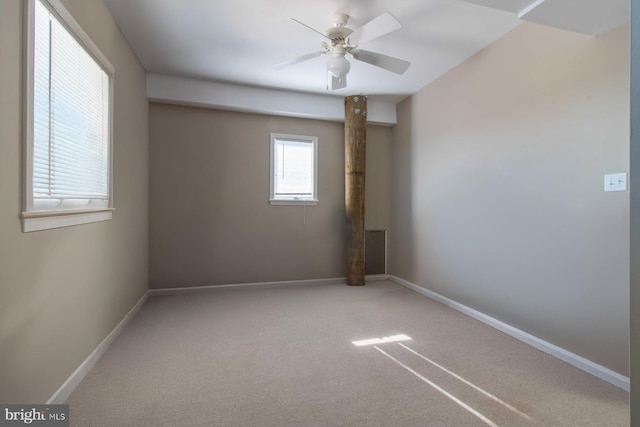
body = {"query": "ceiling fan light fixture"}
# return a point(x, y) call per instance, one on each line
point(338, 65)
point(340, 40)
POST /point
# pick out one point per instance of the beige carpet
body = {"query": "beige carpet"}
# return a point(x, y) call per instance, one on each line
point(284, 357)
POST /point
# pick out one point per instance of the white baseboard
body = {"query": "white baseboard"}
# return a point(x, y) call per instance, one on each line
point(170, 291)
point(376, 277)
point(65, 390)
point(580, 362)
point(331, 281)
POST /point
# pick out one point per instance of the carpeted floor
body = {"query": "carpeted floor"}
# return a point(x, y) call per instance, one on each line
point(284, 356)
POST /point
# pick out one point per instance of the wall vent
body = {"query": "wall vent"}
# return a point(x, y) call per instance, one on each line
point(375, 252)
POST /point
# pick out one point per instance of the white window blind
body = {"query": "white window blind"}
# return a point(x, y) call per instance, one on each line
point(71, 120)
point(293, 168)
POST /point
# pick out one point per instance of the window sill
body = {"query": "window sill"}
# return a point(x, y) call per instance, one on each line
point(276, 202)
point(45, 220)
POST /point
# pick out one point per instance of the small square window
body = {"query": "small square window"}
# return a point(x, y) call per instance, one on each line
point(294, 169)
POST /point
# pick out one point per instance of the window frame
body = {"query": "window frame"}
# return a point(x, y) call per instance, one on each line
point(313, 201)
point(32, 219)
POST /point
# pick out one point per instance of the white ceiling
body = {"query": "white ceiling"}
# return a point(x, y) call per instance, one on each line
point(592, 17)
point(237, 41)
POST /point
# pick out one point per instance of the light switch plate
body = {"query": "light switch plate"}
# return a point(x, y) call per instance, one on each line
point(615, 182)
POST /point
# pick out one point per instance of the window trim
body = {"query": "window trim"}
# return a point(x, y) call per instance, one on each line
point(306, 202)
point(34, 220)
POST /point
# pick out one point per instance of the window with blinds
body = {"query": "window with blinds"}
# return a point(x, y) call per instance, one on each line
point(69, 117)
point(293, 169)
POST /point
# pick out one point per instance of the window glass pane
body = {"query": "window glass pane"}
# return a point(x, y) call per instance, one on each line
point(293, 164)
point(71, 116)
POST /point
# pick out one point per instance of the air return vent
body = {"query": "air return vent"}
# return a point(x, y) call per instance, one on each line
point(375, 251)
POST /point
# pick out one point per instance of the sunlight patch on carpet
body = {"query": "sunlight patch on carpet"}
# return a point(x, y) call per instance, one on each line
point(383, 340)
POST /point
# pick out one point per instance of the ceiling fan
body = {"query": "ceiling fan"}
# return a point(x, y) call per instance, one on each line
point(340, 41)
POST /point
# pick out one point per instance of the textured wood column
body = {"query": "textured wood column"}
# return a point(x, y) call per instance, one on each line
point(355, 144)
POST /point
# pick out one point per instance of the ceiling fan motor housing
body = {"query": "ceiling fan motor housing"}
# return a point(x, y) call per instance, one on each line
point(338, 35)
point(339, 32)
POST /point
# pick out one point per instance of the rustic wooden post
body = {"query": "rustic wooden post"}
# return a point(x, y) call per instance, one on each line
point(355, 144)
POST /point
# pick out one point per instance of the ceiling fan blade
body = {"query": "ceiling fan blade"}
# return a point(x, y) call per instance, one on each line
point(389, 63)
point(297, 59)
point(321, 34)
point(335, 83)
point(375, 28)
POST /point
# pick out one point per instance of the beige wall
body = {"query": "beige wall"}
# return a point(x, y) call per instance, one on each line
point(211, 222)
point(497, 187)
point(62, 291)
